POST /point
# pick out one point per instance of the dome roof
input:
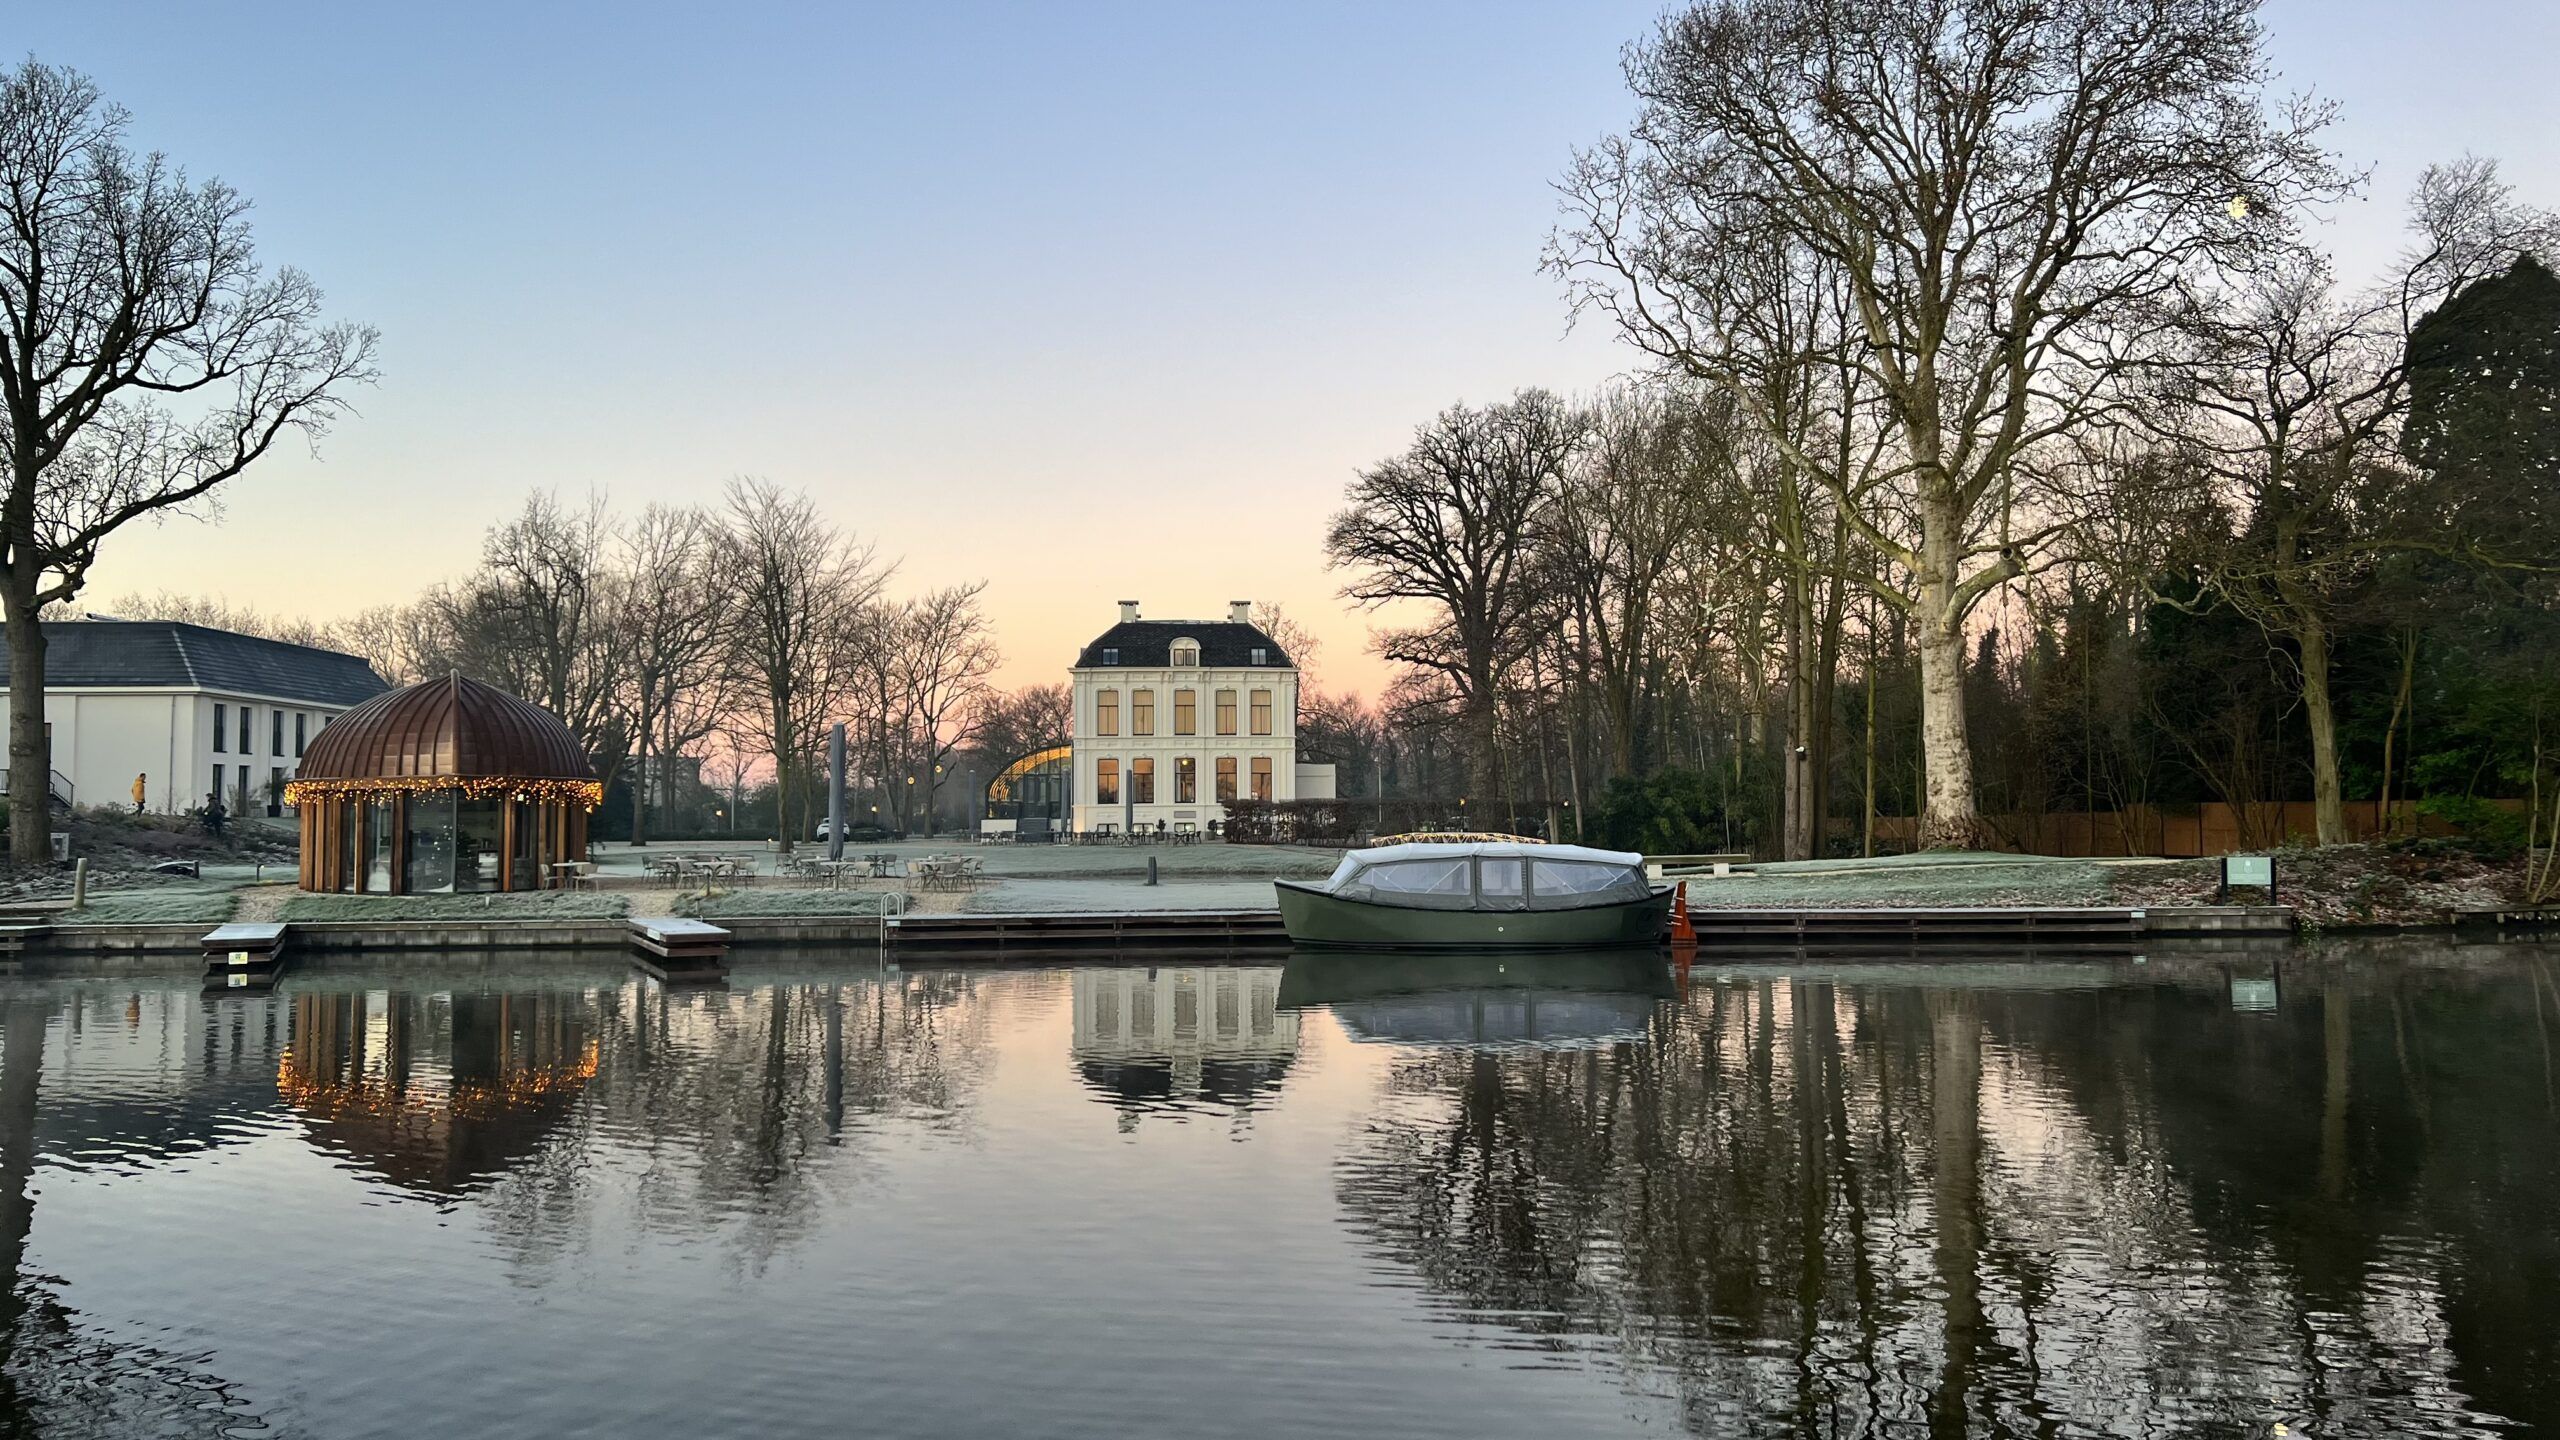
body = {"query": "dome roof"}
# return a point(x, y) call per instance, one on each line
point(454, 727)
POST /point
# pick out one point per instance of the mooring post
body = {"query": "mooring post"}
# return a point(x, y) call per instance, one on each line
point(1151, 869)
point(80, 883)
point(835, 793)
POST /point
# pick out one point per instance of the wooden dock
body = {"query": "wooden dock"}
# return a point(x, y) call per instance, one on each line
point(2039, 927)
point(678, 951)
point(243, 957)
point(998, 933)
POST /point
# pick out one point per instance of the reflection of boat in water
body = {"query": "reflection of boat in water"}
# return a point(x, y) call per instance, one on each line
point(1478, 896)
point(1499, 998)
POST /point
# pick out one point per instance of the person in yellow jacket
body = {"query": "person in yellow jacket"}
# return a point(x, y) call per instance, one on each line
point(141, 785)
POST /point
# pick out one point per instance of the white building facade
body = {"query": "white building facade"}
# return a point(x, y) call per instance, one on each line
point(1175, 717)
point(187, 710)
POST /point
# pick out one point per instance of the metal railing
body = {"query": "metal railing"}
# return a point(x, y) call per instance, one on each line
point(59, 789)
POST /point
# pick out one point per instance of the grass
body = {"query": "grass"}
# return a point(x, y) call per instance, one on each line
point(160, 905)
point(535, 905)
point(738, 904)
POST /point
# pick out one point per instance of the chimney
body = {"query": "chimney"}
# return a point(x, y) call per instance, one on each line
point(1128, 611)
point(1240, 611)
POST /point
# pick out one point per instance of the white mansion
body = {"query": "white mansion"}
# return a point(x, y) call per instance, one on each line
point(1175, 717)
point(185, 710)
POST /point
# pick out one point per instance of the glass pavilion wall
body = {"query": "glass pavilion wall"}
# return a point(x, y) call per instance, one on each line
point(442, 841)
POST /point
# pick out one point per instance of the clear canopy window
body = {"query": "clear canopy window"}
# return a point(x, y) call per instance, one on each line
point(1582, 882)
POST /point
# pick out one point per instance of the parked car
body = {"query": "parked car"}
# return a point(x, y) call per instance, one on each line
point(859, 830)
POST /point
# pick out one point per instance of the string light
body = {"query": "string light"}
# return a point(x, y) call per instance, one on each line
point(585, 793)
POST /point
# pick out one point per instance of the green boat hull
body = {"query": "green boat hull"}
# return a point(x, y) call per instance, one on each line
point(1316, 919)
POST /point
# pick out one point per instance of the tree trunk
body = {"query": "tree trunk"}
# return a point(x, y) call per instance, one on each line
point(1947, 817)
point(2328, 806)
point(640, 774)
point(30, 749)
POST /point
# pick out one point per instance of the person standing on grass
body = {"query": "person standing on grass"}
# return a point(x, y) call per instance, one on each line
point(141, 786)
point(214, 814)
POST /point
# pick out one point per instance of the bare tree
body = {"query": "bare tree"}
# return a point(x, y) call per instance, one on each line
point(945, 649)
point(1009, 724)
point(1448, 524)
point(550, 603)
point(666, 640)
point(147, 359)
point(2004, 190)
point(800, 586)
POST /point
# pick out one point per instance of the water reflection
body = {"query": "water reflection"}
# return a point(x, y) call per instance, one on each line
point(1798, 1205)
point(1176, 1038)
point(1587, 998)
point(1513, 1197)
point(436, 1093)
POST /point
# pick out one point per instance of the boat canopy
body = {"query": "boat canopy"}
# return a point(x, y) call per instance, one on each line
point(1490, 876)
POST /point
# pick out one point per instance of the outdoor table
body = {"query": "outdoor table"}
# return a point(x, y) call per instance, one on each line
point(568, 874)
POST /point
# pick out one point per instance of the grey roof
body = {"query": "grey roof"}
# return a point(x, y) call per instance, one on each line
point(1224, 644)
point(172, 655)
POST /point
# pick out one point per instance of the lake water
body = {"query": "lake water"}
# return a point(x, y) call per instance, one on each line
point(2204, 1195)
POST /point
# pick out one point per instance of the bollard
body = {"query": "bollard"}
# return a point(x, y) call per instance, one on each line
point(80, 884)
point(1151, 869)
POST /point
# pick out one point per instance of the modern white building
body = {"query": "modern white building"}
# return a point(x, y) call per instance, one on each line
point(189, 710)
point(1175, 717)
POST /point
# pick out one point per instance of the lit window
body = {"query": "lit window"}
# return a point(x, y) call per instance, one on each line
point(1186, 712)
point(1261, 777)
point(1226, 778)
point(1106, 712)
point(1226, 712)
point(1106, 782)
point(1186, 781)
point(1142, 781)
point(1261, 712)
point(1186, 652)
point(1142, 712)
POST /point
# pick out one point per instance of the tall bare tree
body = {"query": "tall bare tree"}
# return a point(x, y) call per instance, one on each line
point(1447, 524)
point(945, 649)
point(800, 585)
point(552, 601)
point(2004, 187)
point(667, 639)
point(146, 359)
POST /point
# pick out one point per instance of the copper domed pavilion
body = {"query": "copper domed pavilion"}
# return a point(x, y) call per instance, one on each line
point(447, 786)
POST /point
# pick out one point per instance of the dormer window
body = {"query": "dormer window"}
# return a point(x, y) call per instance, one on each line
point(1261, 656)
point(1186, 652)
point(1110, 656)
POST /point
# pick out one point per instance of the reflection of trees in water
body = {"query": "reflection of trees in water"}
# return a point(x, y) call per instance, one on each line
point(739, 1106)
point(56, 1378)
point(1804, 1209)
point(733, 1112)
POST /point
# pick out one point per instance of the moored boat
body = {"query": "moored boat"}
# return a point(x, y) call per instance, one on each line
point(1500, 895)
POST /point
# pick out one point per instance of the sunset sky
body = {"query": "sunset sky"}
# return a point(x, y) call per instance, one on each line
point(1090, 301)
